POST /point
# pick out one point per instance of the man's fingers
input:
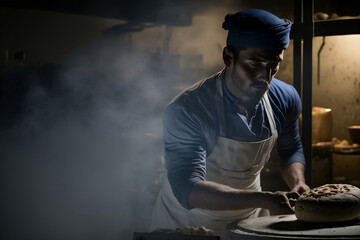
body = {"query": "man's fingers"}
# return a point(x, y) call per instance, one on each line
point(291, 211)
point(294, 195)
point(292, 202)
point(301, 188)
point(304, 189)
point(289, 202)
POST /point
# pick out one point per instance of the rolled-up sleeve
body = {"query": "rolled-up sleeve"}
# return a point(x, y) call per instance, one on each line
point(289, 143)
point(185, 153)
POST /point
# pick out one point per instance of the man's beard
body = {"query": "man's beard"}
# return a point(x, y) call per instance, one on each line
point(253, 96)
point(256, 95)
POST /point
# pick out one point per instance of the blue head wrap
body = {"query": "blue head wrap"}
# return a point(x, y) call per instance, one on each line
point(257, 28)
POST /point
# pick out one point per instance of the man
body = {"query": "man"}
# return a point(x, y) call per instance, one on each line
point(219, 133)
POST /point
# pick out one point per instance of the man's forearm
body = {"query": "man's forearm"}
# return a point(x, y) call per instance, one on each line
point(293, 174)
point(214, 196)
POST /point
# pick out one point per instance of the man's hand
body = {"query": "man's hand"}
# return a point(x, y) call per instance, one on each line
point(282, 202)
point(300, 188)
point(293, 175)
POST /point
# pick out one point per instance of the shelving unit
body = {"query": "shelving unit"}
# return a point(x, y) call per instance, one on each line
point(303, 31)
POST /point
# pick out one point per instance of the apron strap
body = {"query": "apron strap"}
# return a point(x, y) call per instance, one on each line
point(220, 104)
point(269, 113)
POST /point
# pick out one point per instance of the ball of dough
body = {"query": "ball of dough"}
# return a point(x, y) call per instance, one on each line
point(329, 203)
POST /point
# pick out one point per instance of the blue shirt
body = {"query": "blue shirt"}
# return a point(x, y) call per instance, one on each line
point(191, 129)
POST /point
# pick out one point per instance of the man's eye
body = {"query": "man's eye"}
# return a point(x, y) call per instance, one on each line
point(255, 64)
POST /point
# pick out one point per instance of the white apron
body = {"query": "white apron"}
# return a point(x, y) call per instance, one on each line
point(233, 163)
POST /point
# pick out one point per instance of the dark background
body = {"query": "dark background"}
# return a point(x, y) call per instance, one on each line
point(81, 107)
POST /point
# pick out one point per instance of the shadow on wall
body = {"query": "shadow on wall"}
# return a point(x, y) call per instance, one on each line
point(81, 145)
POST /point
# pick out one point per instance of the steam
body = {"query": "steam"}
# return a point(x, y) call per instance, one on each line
point(80, 159)
point(80, 162)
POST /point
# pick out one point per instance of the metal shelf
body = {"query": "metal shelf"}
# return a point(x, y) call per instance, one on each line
point(303, 31)
point(337, 27)
point(328, 28)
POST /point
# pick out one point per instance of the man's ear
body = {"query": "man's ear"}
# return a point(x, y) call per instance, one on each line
point(228, 57)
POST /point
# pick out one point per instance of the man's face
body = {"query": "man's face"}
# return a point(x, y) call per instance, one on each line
point(251, 74)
